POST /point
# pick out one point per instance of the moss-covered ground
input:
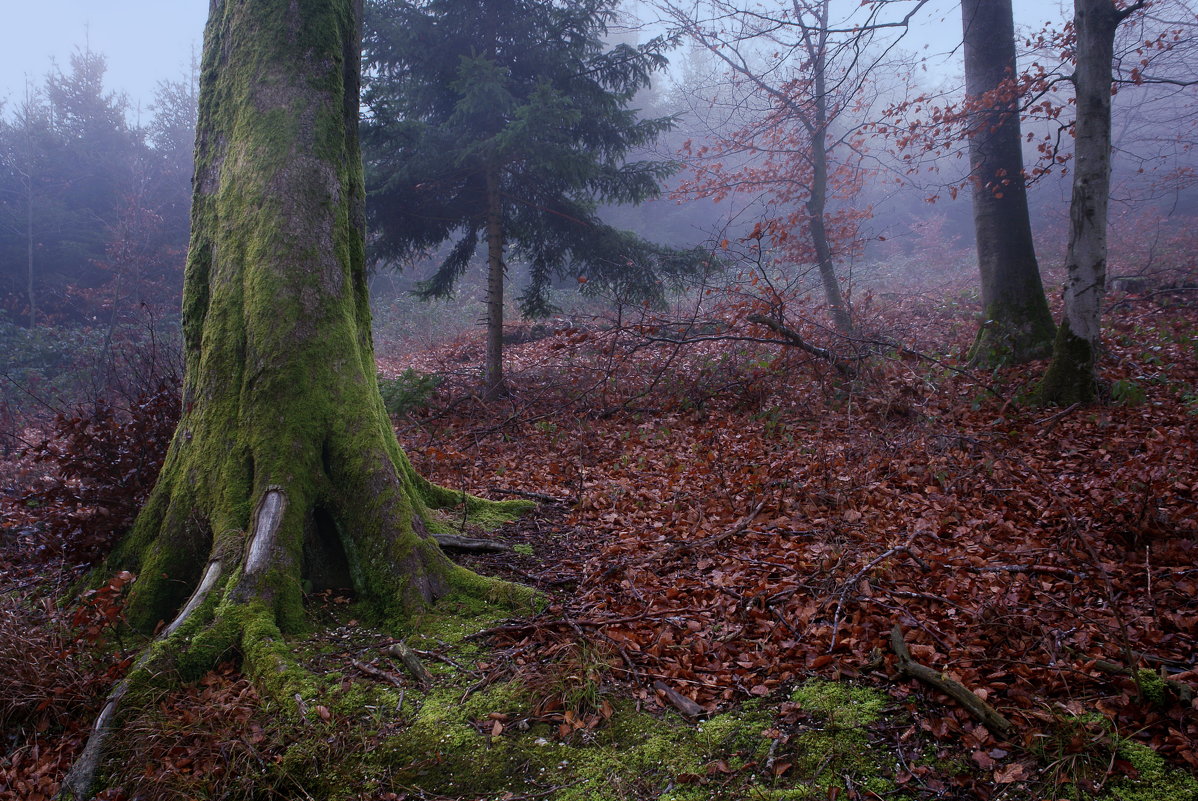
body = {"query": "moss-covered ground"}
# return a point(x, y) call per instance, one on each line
point(489, 727)
point(483, 728)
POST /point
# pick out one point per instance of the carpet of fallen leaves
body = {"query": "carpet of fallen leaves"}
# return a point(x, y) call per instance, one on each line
point(728, 516)
point(757, 518)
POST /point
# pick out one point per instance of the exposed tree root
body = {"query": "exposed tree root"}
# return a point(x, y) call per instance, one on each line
point(235, 607)
point(82, 776)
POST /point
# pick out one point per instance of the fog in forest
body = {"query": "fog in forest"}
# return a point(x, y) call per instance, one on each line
point(99, 107)
point(677, 399)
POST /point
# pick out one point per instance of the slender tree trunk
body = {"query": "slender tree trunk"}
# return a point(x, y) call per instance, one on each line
point(1017, 324)
point(29, 253)
point(1071, 376)
point(817, 204)
point(816, 207)
point(493, 380)
point(284, 468)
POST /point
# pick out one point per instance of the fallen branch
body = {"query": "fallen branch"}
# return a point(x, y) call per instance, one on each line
point(793, 338)
point(412, 662)
point(460, 543)
point(686, 706)
point(987, 715)
point(375, 673)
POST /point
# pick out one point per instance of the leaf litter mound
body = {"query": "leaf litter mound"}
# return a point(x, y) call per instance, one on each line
point(725, 518)
point(757, 518)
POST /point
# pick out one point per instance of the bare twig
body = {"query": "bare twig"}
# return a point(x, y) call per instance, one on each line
point(852, 582)
point(533, 496)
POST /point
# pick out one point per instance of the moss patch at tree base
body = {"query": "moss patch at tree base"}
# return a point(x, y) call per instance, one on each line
point(353, 735)
point(462, 738)
point(1070, 377)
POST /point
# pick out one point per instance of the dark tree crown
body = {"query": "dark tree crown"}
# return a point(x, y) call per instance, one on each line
point(457, 87)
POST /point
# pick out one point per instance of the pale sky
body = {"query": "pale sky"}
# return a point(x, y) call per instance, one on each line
point(146, 41)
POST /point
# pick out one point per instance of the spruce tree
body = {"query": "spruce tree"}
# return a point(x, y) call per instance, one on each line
point(504, 124)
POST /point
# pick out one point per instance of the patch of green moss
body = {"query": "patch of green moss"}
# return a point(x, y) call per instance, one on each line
point(450, 621)
point(836, 743)
point(637, 755)
point(442, 750)
point(1014, 333)
point(842, 705)
point(1156, 781)
point(739, 735)
point(1070, 376)
point(1152, 686)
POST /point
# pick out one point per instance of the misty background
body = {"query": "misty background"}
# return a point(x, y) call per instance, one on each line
point(98, 100)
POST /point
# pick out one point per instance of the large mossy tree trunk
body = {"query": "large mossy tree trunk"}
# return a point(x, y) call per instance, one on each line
point(1071, 377)
point(1017, 324)
point(284, 468)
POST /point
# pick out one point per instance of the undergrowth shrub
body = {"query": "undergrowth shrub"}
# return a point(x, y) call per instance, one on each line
point(47, 677)
point(408, 393)
point(105, 461)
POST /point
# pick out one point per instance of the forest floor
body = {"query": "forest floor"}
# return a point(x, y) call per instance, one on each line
point(734, 539)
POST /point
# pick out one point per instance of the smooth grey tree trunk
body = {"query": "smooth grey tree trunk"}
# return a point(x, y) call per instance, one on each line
point(1071, 377)
point(1017, 325)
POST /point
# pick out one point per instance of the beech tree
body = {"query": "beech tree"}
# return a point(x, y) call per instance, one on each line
point(1017, 324)
point(800, 74)
point(284, 467)
point(1071, 376)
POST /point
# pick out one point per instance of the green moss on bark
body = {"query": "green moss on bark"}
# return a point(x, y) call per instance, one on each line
point(281, 404)
point(1070, 377)
point(283, 431)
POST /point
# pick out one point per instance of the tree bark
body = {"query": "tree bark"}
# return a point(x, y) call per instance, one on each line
point(1017, 324)
point(817, 204)
point(284, 468)
point(493, 384)
point(29, 251)
point(1071, 377)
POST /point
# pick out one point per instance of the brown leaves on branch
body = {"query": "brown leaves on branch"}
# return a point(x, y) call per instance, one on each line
point(100, 464)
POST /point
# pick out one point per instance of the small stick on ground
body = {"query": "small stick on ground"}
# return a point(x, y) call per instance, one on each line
point(683, 704)
point(533, 496)
point(412, 662)
point(982, 711)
